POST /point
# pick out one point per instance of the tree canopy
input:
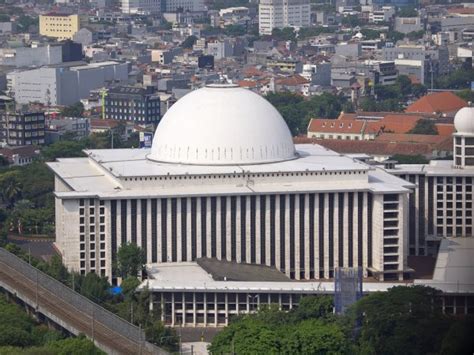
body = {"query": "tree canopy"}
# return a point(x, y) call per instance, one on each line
point(189, 42)
point(297, 111)
point(424, 126)
point(130, 260)
point(74, 110)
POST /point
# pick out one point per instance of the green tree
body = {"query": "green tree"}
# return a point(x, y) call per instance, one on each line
point(129, 285)
point(10, 187)
point(424, 126)
point(74, 110)
point(284, 34)
point(407, 11)
point(314, 336)
point(189, 42)
point(410, 159)
point(458, 339)
point(459, 79)
point(63, 149)
point(130, 260)
point(311, 307)
point(414, 35)
point(390, 322)
point(351, 21)
point(235, 30)
point(74, 346)
point(467, 95)
point(95, 288)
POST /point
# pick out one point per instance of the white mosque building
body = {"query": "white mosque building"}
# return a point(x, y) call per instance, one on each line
point(224, 180)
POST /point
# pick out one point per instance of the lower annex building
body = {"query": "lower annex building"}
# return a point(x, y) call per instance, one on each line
point(224, 180)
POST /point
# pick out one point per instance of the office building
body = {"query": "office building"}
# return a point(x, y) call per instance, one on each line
point(59, 26)
point(281, 13)
point(22, 128)
point(141, 7)
point(63, 84)
point(136, 104)
point(224, 180)
point(183, 6)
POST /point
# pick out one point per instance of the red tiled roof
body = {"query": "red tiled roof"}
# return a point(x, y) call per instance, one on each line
point(335, 126)
point(375, 148)
point(398, 123)
point(444, 102)
point(99, 123)
point(247, 83)
point(292, 80)
point(412, 138)
point(461, 10)
point(445, 129)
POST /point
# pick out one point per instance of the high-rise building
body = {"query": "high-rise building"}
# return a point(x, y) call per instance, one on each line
point(283, 13)
point(142, 7)
point(22, 128)
point(136, 104)
point(60, 26)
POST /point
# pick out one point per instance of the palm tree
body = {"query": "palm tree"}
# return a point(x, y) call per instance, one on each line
point(11, 190)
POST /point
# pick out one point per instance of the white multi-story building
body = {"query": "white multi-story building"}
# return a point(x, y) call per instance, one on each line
point(442, 203)
point(224, 180)
point(283, 13)
point(141, 7)
point(185, 5)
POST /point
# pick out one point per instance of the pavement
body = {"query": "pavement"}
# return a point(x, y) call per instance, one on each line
point(42, 249)
point(194, 348)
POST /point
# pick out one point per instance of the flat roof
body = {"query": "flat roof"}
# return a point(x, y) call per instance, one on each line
point(454, 269)
point(434, 168)
point(223, 270)
point(109, 173)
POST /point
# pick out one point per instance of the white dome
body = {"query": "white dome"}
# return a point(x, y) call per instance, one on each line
point(464, 120)
point(222, 125)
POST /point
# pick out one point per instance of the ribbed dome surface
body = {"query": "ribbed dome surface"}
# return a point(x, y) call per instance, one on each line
point(222, 125)
point(464, 120)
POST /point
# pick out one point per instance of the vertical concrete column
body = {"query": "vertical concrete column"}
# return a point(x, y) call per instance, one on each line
point(346, 229)
point(248, 232)
point(189, 245)
point(208, 235)
point(179, 233)
point(355, 234)
point(258, 234)
point(228, 234)
point(148, 230)
point(267, 231)
point(306, 238)
point(297, 231)
point(277, 233)
point(218, 228)
point(317, 245)
point(238, 228)
point(159, 234)
point(365, 235)
point(198, 228)
point(129, 221)
point(326, 235)
point(287, 235)
point(169, 244)
point(336, 225)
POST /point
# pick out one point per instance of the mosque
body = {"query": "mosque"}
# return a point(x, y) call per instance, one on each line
point(232, 215)
point(224, 180)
